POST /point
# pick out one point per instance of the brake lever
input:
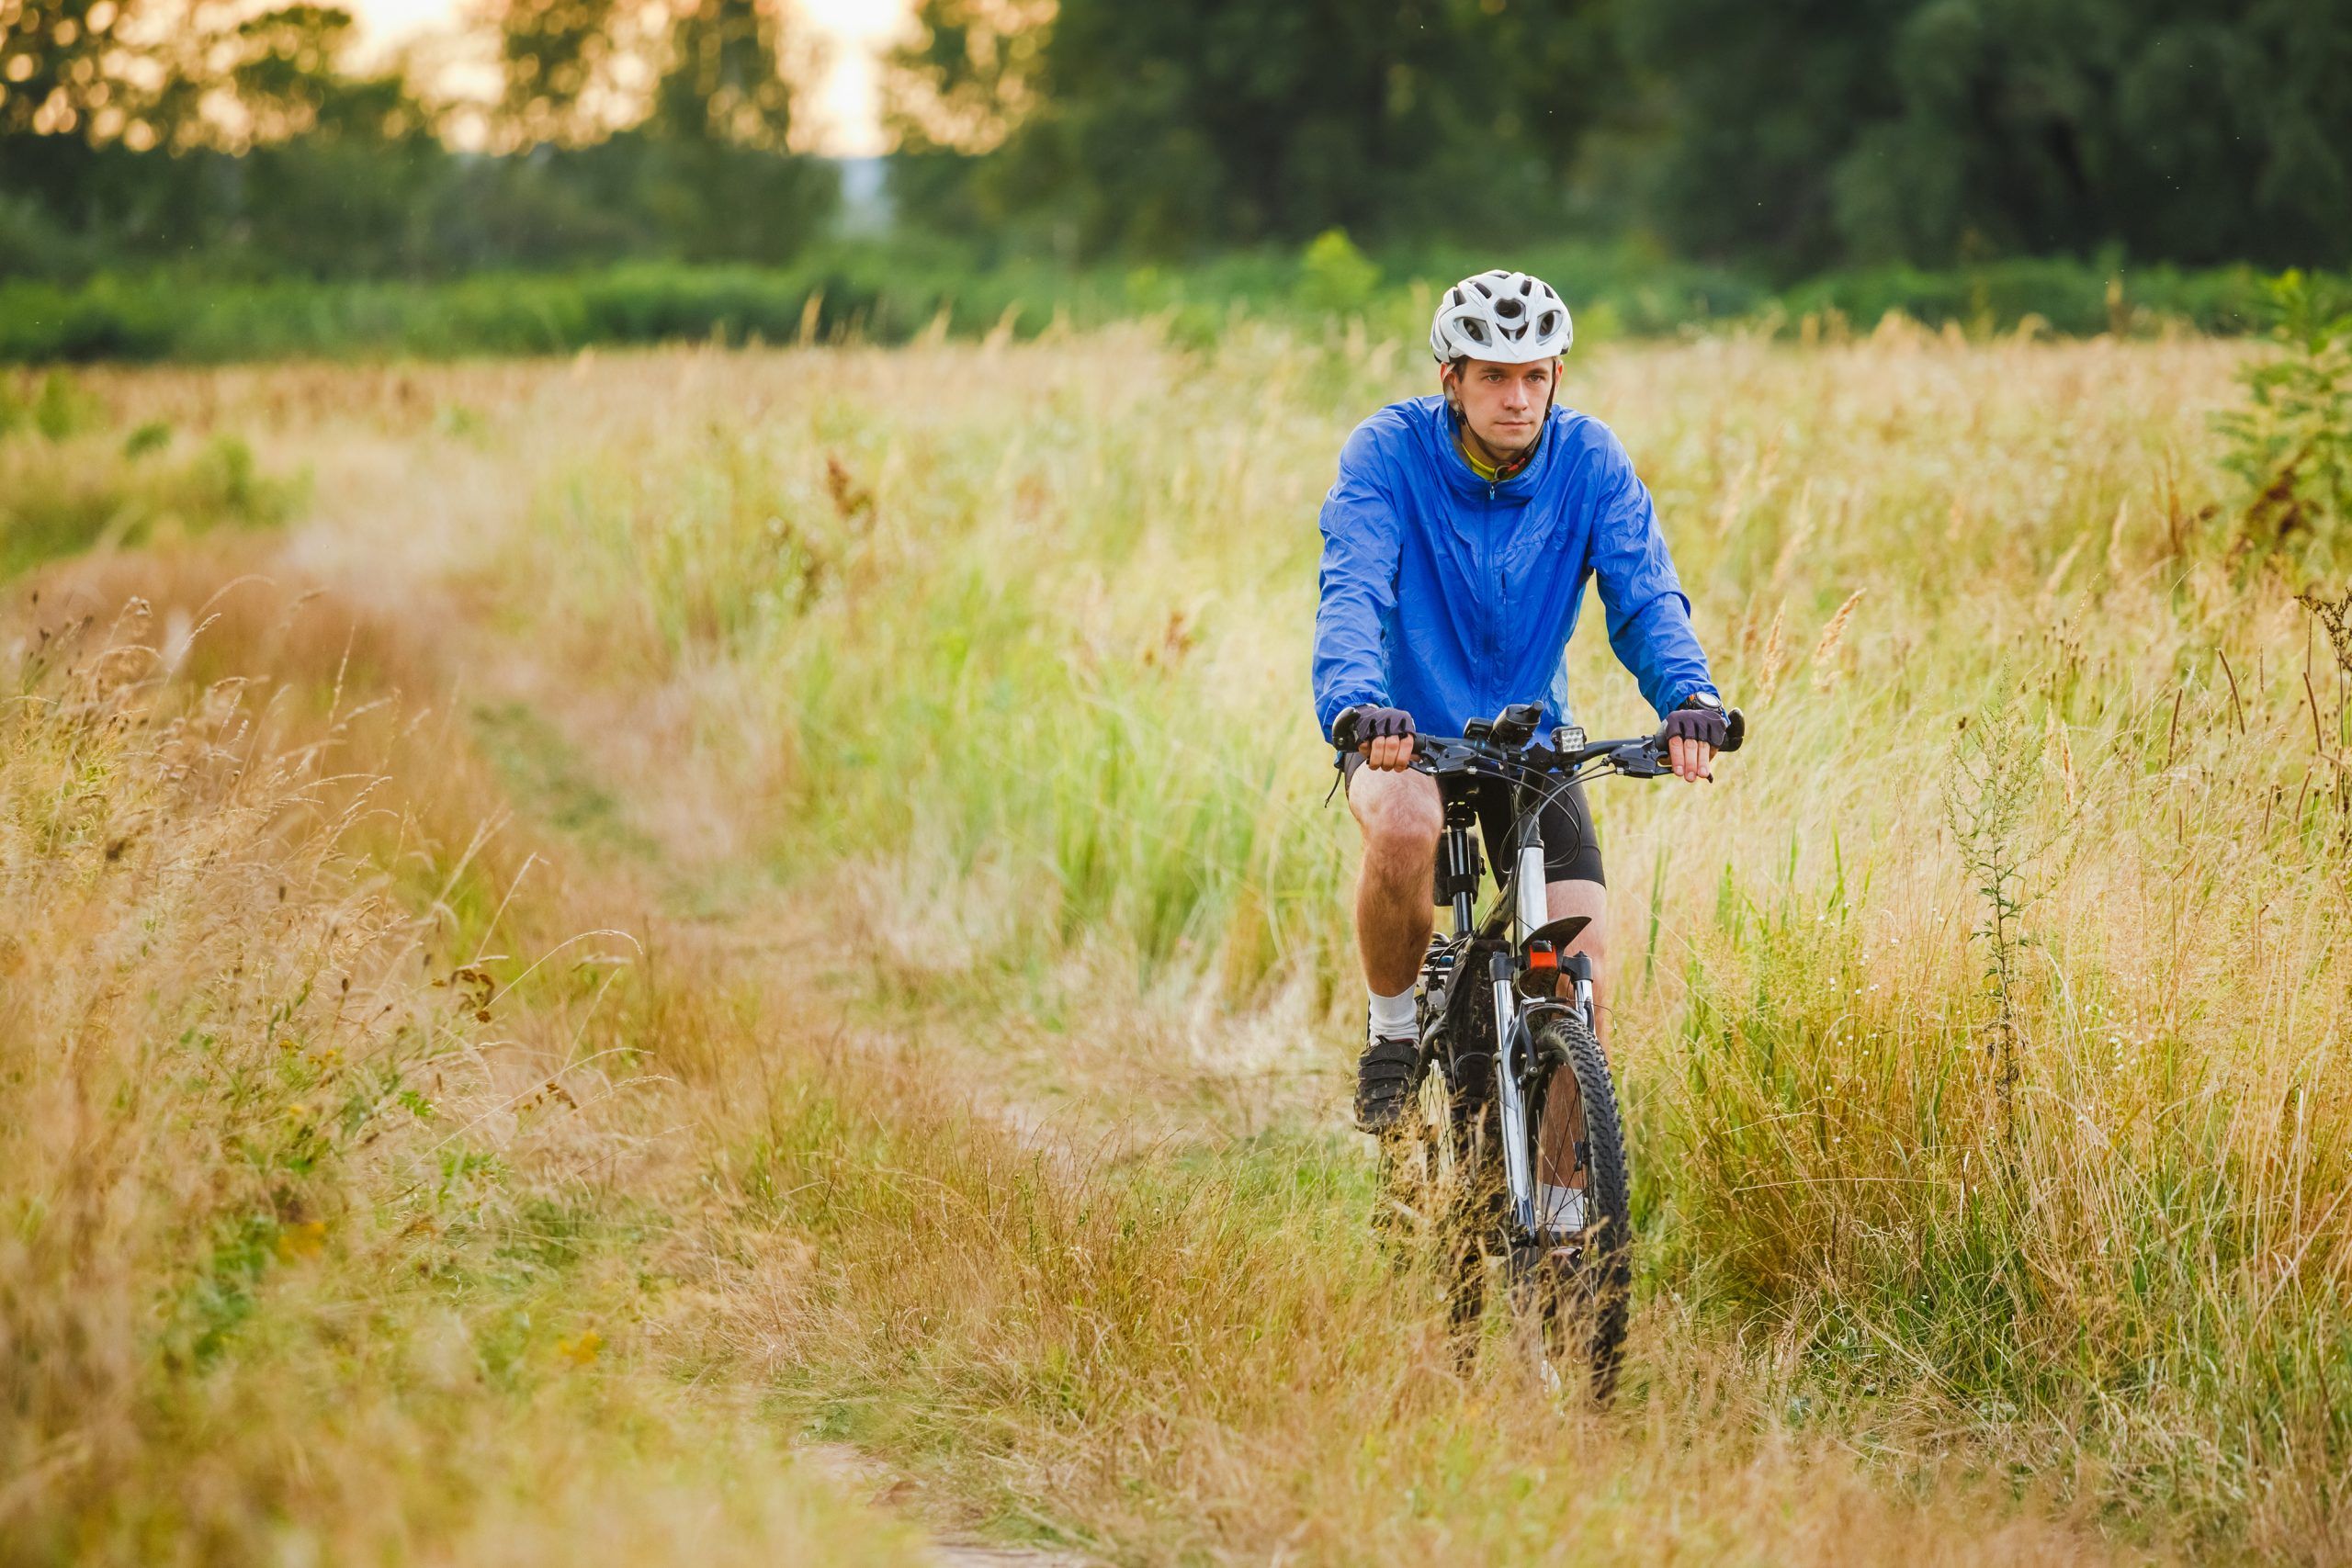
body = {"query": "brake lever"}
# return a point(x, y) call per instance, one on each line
point(1642, 759)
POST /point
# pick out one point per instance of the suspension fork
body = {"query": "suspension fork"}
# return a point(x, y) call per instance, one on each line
point(1457, 876)
point(1518, 1173)
point(1577, 968)
point(1530, 911)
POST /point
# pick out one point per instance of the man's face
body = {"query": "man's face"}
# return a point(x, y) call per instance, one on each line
point(1502, 404)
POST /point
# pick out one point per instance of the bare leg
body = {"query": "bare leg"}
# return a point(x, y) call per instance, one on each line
point(1401, 819)
point(1556, 1155)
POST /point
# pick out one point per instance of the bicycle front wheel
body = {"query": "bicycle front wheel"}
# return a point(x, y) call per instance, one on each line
point(1573, 1288)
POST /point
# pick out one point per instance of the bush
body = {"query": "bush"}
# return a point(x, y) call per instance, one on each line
point(1334, 276)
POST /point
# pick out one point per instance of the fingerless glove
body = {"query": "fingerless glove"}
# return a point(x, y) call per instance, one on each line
point(1358, 726)
point(1706, 726)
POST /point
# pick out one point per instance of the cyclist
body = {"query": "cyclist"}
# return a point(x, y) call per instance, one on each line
point(1457, 546)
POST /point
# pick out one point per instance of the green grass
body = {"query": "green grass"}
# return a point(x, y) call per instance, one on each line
point(71, 481)
point(545, 775)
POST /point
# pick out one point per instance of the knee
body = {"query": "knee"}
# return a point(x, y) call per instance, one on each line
point(1584, 898)
point(1403, 832)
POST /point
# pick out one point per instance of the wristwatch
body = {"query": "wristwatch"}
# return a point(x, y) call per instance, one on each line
point(1707, 700)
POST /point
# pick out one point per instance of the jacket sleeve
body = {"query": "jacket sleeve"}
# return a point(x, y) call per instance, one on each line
point(1649, 617)
point(1358, 583)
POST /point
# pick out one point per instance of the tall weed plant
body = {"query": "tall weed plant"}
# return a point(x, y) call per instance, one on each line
point(2290, 445)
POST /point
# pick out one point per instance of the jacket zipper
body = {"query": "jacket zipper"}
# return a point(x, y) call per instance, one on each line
point(1495, 644)
point(1494, 625)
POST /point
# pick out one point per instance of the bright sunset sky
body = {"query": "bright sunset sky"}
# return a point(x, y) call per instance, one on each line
point(855, 32)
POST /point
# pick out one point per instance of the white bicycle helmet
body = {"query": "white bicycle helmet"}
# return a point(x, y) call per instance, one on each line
point(1506, 317)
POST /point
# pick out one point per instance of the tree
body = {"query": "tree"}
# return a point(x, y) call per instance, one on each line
point(725, 81)
point(1943, 130)
point(554, 57)
point(1187, 122)
point(718, 178)
point(287, 82)
point(970, 77)
point(2192, 130)
point(65, 70)
point(1759, 103)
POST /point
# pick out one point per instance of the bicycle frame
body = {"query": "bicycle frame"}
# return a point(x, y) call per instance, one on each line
point(1523, 910)
point(1504, 748)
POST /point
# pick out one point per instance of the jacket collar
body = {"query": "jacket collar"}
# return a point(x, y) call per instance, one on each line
point(1443, 433)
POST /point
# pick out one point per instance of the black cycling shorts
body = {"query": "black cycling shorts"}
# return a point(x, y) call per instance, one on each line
point(1571, 847)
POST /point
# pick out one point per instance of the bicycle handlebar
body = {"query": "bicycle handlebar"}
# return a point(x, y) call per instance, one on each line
point(1635, 757)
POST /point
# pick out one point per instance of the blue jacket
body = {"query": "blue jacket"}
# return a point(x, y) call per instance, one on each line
point(1448, 596)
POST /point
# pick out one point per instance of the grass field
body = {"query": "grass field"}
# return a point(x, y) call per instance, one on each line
point(599, 926)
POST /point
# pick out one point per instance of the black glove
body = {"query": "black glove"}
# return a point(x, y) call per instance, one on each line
point(1697, 720)
point(1358, 726)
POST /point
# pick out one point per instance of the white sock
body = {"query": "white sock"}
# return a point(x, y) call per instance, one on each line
point(1393, 1017)
point(1560, 1209)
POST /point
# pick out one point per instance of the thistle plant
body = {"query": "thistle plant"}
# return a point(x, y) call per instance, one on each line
point(1991, 788)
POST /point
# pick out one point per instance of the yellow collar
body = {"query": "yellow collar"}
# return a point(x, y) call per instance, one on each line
point(1488, 472)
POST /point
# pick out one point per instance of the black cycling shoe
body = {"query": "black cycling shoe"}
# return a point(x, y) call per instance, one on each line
point(1384, 1076)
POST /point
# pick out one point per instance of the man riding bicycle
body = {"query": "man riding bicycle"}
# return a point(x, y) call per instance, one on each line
point(1457, 546)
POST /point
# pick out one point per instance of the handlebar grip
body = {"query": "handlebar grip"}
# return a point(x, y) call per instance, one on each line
point(1734, 730)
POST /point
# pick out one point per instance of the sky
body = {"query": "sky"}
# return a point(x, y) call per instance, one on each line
point(845, 107)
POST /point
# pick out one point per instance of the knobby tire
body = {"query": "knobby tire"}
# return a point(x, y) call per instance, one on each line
point(1578, 1298)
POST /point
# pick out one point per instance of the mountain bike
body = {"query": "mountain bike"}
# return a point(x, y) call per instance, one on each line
point(1506, 1024)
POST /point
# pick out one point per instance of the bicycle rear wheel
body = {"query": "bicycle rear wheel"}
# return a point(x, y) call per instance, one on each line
point(1440, 1184)
point(1421, 1165)
point(1573, 1292)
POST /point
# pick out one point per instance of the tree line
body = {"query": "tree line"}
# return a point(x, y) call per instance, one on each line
point(1786, 138)
point(1797, 135)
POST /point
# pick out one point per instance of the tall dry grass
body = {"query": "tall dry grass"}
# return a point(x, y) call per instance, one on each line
point(307, 1242)
point(1982, 1079)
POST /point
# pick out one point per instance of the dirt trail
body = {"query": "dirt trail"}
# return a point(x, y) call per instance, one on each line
point(407, 554)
